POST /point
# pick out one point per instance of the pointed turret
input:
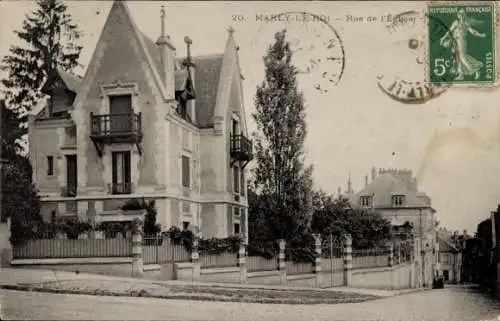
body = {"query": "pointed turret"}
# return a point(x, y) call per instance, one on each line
point(349, 191)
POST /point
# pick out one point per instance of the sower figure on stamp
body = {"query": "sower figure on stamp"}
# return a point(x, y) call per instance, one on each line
point(465, 65)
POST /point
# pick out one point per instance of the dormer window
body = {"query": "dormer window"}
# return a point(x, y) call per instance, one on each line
point(398, 200)
point(366, 201)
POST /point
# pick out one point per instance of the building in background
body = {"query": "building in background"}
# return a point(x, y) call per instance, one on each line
point(394, 194)
point(144, 123)
point(450, 259)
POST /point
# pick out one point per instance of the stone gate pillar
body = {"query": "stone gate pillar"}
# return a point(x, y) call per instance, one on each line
point(347, 254)
point(317, 259)
point(281, 261)
point(137, 258)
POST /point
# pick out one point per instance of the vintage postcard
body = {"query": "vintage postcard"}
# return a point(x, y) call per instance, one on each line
point(250, 160)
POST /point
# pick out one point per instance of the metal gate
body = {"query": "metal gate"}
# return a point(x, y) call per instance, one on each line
point(332, 263)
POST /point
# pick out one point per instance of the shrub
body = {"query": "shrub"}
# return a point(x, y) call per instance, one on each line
point(149, 227)
point(111, 229)
point(229, 244)
point(213, 245)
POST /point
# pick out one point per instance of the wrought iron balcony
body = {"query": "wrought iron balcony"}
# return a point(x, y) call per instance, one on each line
point(120, 188)
point(241, 149)
point(115, 128)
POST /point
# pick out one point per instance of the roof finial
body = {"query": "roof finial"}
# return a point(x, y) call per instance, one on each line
point(188, 42)
point(162, 15)
point(230, 30)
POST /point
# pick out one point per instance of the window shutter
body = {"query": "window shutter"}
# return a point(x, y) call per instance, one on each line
point(127, 167)
point(242, 181)
point(185, 171)
point(236, 180)
point(114, 168)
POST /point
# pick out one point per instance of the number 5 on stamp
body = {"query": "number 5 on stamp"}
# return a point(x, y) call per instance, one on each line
point(461, 43)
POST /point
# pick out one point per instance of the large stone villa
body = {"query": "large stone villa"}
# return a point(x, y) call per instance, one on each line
point(143, 123)
point(395, 195)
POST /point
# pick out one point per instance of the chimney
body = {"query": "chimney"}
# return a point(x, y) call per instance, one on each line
point(374, 173)
point(167, 54)
point(366, 180)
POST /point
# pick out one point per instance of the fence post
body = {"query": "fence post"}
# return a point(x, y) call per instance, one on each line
point(317, 258)
point(137, 259)
point(347, 249)
point(399, 253)
point(242, 262)
point(281, 261)
point(7, 250)
point(195, 259)
point(390, 245)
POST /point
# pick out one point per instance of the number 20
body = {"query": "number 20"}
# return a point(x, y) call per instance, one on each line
point(440, 66)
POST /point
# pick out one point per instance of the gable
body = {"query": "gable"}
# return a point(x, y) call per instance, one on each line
point(122, 55)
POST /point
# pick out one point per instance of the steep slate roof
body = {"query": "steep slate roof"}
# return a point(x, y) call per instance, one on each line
point(393, 182)
point(206, 78)
point(73, 82)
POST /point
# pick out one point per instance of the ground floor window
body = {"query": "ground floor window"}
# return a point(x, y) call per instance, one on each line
point(446, 275)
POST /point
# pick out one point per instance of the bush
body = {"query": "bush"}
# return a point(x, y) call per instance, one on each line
point(184, 237)
point(72, 229)
point(213, 245)
point(111, 229)
point(229, 244)
point(150, 227)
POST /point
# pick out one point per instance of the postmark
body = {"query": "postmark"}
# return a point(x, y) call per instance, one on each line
point(406, 82)
point(318, 50)
point(465, 50)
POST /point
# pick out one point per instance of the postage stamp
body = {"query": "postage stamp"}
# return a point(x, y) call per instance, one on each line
point(461, 43)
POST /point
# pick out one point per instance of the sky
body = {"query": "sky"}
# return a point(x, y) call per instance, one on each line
point(451, 143)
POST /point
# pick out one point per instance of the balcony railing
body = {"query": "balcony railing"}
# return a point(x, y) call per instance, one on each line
point(116, 125)
point(241, 148)
point(120, 188)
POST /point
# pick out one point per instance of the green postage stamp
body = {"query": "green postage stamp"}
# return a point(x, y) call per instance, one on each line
point(461, 43)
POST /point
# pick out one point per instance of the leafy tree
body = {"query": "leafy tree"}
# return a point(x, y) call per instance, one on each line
point(19, 198)
point(282, 180)
point(49, 36)
point(336, 216)
point(12, 133)
point(21, 203)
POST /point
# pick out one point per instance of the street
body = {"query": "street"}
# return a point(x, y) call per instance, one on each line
point(453, 303)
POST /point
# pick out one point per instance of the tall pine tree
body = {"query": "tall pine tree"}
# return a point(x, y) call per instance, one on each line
point(11, 132)
point(281, 178)
point(49, 37)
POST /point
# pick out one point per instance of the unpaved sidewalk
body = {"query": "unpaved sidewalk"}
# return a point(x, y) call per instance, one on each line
point(82, 283)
